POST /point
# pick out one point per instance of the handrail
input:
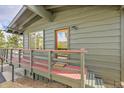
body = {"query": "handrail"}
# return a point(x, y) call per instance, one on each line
point(70, 51)
point(48, 50)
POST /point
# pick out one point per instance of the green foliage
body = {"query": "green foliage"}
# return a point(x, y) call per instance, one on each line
point(2, 39)
point(14, 41)
point(10, 41)
point(9, 30)
point(39, 41)
point(62, 44)
point(36, 40)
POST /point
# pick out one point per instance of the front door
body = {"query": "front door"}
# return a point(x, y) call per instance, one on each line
point(62, 41)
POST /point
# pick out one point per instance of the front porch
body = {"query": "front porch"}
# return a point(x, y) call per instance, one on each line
point(45, 64)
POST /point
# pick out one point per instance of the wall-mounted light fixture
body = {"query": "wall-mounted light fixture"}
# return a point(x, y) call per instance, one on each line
point(74, 27)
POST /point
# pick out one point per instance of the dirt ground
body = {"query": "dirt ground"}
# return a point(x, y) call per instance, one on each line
point(29, 83)
point(25, 82)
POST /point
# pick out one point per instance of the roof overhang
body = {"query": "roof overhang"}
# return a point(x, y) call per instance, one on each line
point(41, 11)
point(23, 9)
point(12, 26)
point(29, 14)
point(23, 19)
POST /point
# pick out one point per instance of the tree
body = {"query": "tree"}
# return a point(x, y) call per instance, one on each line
point(14, 41)
point(2, 39)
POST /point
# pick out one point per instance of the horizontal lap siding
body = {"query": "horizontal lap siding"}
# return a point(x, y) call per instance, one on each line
point(49, 39)
point(25, 41)
point(98, 32)
point(100, 35)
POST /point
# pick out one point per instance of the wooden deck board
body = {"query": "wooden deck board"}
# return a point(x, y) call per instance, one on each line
point(67, 75)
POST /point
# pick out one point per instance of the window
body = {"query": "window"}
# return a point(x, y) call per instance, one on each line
point(36, 40)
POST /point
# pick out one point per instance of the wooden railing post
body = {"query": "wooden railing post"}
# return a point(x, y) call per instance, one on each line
point(6, 55)
point(11, 50)
point(82, 68)
point(12, 72)
point(31, 61)
point(3, 53)
point(49, 63)
point(0, 52)
point(19, 55)
point(1, 59)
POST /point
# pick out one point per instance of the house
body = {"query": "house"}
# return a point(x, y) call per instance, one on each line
point(99, 29)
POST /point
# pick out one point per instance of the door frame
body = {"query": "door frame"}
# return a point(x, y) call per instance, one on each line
point(68, 37)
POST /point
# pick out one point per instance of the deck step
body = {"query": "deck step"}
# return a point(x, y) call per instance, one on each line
point(99, 83)
point(93, 82)
point(90, 80)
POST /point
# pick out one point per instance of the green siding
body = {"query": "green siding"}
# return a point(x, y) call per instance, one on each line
point(98, 32)
point(25, 41)
point(49, 39)
point(101, 37)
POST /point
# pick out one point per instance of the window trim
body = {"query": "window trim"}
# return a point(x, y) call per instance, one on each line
point(29, 36)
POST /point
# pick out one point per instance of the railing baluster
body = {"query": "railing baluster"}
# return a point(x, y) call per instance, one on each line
point(1, 59)
point(49, 63)
point(0, 52)
point(3, 53)
point(31, 61)
point(11, 50)
point(6, 55)
point(12, 67)
point(82, 68)
point(19, 55)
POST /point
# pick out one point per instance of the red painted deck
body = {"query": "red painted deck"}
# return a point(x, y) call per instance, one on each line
point(64, 73)
point(40, 67)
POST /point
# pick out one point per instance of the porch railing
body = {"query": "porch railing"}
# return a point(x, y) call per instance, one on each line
point(31, 58)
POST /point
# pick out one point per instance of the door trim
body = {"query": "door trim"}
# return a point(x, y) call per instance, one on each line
point(68, 37)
